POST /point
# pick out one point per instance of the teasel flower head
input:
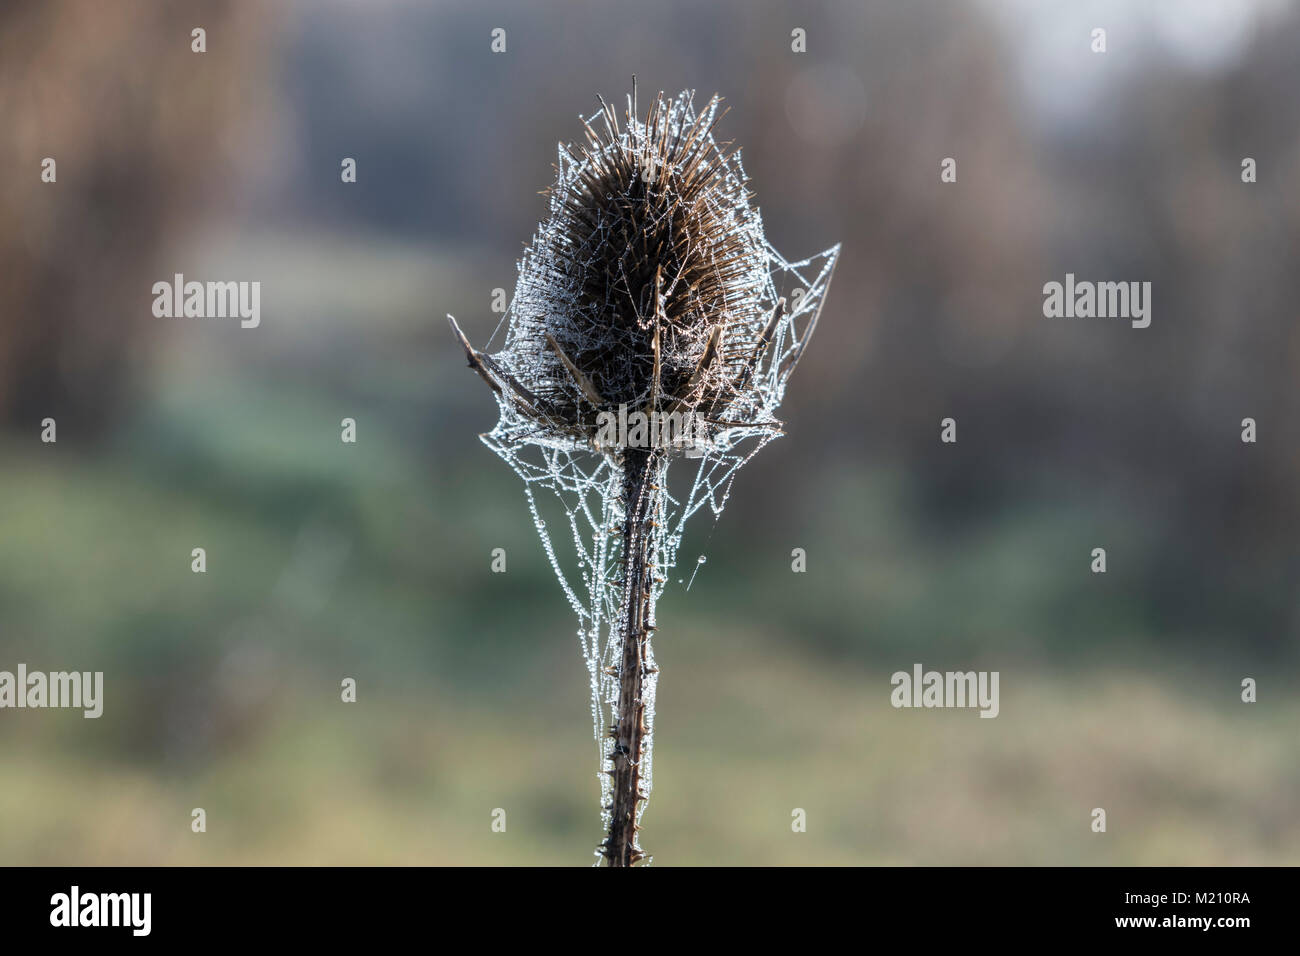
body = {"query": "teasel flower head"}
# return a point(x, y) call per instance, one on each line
point(649, 286)
point(649, 289)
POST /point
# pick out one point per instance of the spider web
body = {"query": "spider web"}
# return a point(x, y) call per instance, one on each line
point(581, 488)
point(585, 552)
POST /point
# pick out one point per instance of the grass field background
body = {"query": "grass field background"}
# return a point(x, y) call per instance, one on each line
point(372, 561)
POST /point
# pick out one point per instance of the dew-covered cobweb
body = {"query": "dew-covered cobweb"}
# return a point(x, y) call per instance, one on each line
point(574, 492)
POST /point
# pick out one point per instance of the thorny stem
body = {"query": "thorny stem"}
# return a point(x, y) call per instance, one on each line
point(641, 470)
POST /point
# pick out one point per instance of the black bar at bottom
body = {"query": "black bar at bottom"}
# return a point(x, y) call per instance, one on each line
point(336, 905)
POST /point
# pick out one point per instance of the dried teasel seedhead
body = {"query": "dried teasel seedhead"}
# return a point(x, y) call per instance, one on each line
point(650, 290)
point(648, 286)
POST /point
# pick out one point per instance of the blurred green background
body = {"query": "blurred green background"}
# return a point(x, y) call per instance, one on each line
point(328, 560)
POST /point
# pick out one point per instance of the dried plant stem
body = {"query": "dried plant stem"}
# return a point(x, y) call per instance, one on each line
point(642, 471)
point(651, 285)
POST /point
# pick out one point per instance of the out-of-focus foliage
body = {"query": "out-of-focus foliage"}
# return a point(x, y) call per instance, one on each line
point(143, 132)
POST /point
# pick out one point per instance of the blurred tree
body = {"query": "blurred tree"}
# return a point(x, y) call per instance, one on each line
point(142, 129)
